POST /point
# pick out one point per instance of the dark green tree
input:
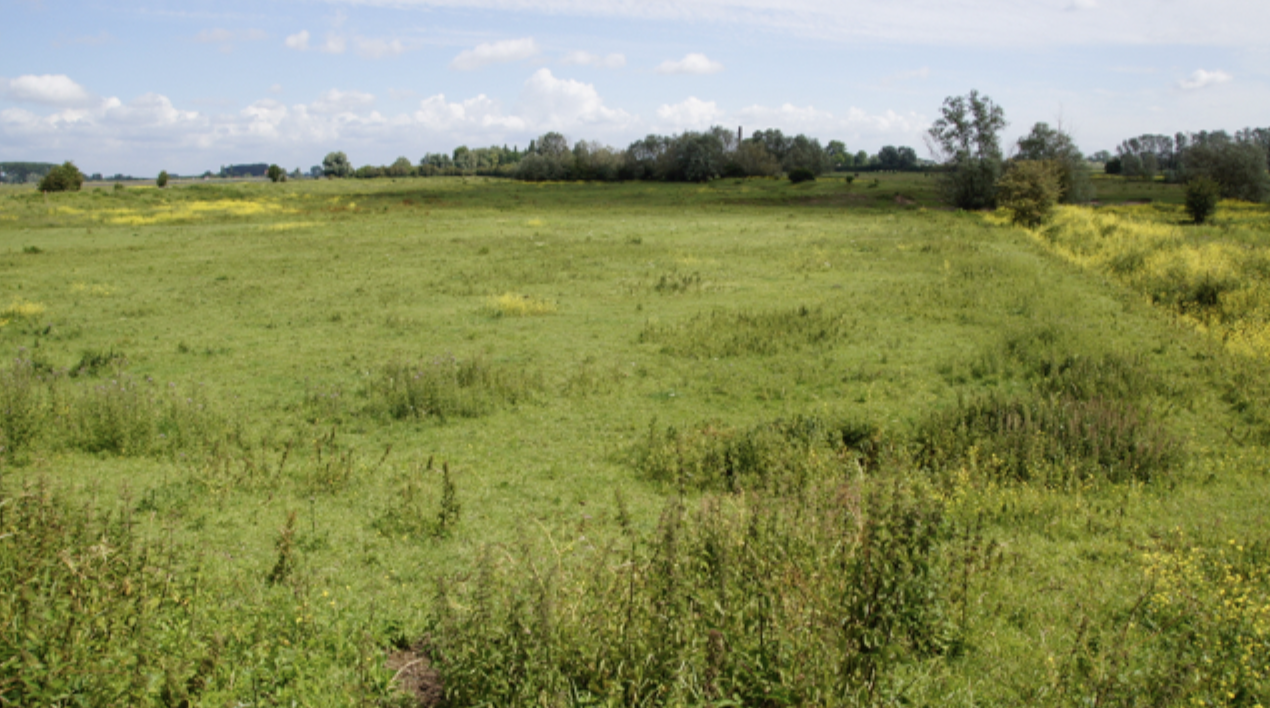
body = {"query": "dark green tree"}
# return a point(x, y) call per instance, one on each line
point(1202, 195)
point(336, 164)
point(1029, 190)
point(967, 140)
point(276, 174)
point(1055, 145)
point(162, 179)
point(1238, 167)
point(65, 177)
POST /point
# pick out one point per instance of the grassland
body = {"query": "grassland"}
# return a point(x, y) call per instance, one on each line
point(745, 443)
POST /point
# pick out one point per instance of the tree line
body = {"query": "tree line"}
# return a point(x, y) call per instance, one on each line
point(691, 156)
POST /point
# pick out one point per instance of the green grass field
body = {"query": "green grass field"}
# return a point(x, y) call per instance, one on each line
point(744, 443)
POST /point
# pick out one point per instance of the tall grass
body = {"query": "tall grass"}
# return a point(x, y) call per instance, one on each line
point(722, 333)
point(447, 387)
point(750, 600)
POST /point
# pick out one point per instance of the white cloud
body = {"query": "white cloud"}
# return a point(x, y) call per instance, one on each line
point(981, 23)
point(298, 41)
point(691, 64)
point(1201, 79)
point(689, 114)
point(481, 112)
point(46, 89)
point(494, 53)
point(336, 101)
point(275, 89)
point(608, 61)
point(549, 103)
point(335, 44)
point(373, 48)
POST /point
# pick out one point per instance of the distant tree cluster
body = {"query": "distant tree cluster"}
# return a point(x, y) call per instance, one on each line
point(65, 177)
point(688, 157)
point(1235, 163)
point(24, 172)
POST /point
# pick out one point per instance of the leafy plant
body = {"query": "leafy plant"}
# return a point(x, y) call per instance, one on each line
point(66, 177)
point(1029, 191)
point(1202, 195)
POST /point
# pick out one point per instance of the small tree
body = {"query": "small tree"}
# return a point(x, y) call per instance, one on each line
point(162, 179)
point(66, 177)
point(801, 174)
point(336, 164)
point(966, 138)
point(276, 174)
point(1202, 194)
point(1029, 190)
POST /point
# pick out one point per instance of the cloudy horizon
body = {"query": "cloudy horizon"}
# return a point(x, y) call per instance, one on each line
point(138, 86)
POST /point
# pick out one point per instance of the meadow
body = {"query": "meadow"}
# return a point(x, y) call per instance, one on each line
point(465, 441)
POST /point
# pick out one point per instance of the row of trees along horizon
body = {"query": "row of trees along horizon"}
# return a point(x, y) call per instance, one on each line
point(965, 142)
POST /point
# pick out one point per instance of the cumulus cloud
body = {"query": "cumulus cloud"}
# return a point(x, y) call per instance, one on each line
point(494, 53)
point(1202, 79)
point(298, 41)
point(689, 114)
point(47, 89)
point(550, 103)
point(691, 64)
point(608, 61)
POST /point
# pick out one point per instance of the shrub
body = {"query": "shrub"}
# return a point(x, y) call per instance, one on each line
point(1202, 195)
point(801, 174)
point(1238, 167)
point(66, 177)
point(276, 174)
point(162, 179)
point(1029, 190)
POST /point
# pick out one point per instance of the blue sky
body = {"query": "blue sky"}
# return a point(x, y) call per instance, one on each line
point(136, 86)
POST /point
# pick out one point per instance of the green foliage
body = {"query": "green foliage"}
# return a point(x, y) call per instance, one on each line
point(1202, 195)
point(162, 180)
point(446, 387)
point(1055, 440)
point(1238, 167)
point(336, 164)
point(801, 174)
point(721, 333)
point(968, 138)
point(66, 177)
point(780, 456)
point(752, 601)
point(1056, 146)
point(416, 511)
point(276, 174)
point(1029, 190)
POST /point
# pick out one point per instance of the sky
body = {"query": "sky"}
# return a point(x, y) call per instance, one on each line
point(138, 86)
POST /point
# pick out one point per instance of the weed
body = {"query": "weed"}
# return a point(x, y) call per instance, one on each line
point(417, 512)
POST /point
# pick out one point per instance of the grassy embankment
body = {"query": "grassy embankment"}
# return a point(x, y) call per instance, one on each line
point(629, 444)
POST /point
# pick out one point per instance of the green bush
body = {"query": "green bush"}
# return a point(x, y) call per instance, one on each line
point(276, 174)
point(1202, 195)
point(66, 177)
point(801, 174)
point(1029, 190)
point(162, 179)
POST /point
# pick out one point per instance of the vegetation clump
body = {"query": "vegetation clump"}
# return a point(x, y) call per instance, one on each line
point(447, 387)
point(1202, 195)
point(722, 333)
point(66, 177)
point(1029, 190)
point(755, 600)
